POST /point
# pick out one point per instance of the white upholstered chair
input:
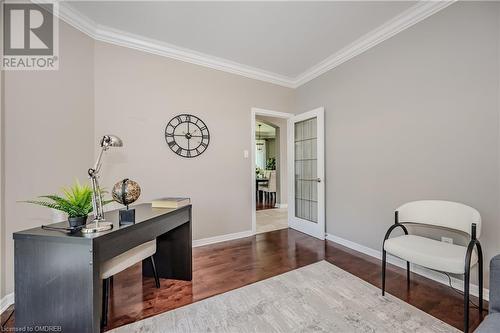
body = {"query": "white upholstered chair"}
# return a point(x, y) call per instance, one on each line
point(121, 262)
point(270, 188)
point(433, 254)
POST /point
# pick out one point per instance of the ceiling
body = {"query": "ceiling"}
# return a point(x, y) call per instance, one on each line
point(263, 130)
point(280, 42)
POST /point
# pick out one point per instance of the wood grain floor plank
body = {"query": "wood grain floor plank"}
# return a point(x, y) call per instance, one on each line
point(229, 265)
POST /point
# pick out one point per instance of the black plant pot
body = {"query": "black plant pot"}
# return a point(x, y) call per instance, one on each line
point(77, 221)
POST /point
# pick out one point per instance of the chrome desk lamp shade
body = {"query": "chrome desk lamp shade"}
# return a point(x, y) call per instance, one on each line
point(111, 141)
point(99, 223)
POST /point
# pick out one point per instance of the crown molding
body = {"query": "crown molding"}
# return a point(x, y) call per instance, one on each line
point(122, 38)
point(408, 18)
point(420, 11)
point(76, 19)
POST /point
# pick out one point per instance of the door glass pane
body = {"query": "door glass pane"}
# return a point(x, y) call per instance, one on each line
point(306, 173)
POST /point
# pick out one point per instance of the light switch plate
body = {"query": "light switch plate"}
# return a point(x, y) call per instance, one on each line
point(245, 153)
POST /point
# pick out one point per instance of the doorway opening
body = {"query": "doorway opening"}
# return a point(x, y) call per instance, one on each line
point(269, 170)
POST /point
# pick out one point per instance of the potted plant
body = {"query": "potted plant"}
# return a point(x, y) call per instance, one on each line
point(271, 164)
point(76, 201)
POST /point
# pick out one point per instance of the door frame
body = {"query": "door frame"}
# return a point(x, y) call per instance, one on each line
point(267, 113)
point(292, 221)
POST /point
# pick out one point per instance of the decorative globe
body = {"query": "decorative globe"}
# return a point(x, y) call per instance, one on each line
point(126, 192)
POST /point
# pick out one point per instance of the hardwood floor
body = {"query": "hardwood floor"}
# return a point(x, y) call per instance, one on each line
point(259, 205)
point(262, 204)
point(229, 265)
point(7, 319)
point(429, 296)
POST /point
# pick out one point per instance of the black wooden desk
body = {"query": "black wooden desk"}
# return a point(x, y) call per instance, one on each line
point(57, 275)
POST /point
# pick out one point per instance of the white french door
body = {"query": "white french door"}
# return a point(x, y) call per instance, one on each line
point(306, 165)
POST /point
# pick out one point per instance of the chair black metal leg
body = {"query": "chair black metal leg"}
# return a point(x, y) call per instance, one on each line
point(466, 299)
point(408, 274)
point(468, 256)
point(384, 255)
point(155, 274)
point(105, 301)
point(480, 282)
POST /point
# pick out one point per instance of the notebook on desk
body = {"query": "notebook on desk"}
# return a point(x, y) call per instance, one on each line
point(170, 202)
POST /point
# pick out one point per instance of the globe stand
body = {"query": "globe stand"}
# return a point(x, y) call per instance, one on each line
point(127, 216)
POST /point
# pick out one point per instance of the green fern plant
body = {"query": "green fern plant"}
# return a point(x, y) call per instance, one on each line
point(76, 200)
point(271, 163)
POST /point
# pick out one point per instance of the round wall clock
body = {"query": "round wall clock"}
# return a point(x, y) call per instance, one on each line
point(187, 135)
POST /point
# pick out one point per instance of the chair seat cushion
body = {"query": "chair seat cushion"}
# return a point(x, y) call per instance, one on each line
point(430, 253)
point(126, 259)
point(491, 324)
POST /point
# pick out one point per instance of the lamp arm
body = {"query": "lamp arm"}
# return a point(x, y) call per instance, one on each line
point(98, 163)
point(97, 205)
point(99, 223)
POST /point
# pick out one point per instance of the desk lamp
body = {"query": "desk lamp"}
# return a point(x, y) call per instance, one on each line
point(99, 223)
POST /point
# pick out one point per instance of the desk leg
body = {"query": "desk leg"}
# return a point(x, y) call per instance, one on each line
point(173, 258)
point(54, 286)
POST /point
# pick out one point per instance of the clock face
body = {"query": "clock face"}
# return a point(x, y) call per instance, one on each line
point(187, 135)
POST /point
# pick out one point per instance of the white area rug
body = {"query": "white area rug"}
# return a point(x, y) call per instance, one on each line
point(317, 298)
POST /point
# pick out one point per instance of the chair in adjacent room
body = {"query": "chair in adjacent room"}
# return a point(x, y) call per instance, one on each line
point(121, 262)
point(434, 254)
point(270, 188)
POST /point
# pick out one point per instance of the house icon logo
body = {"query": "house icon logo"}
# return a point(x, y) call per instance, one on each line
point(30, 36)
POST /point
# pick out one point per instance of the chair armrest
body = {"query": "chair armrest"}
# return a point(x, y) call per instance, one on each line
point(495, 284)
point(394, 226)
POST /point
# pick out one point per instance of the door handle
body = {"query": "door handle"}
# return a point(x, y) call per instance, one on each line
point(312, 180)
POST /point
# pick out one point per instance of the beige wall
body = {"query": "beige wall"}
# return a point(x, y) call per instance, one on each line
point(136, 94)
point(281, 160)
point(415, 117)
point(2, 159)
point(49, 135)
point(2, 219)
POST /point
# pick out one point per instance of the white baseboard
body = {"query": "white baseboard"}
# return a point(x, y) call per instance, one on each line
point(428, 273)
point(222, 238)
point(281, 205)
point(6, 301)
